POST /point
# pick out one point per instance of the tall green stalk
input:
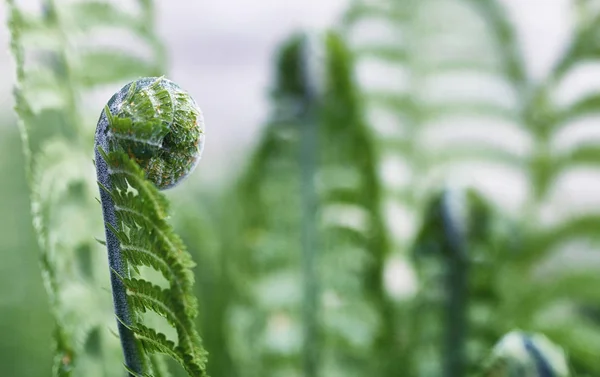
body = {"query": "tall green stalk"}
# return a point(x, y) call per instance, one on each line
point(309, 147)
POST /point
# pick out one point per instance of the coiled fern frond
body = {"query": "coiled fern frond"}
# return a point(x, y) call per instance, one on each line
point(149, 136)
point(146, 239)
point(526, 355)
point(461, 253)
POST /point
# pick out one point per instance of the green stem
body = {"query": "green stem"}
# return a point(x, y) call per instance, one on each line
point(309, 200)
point(457, 269)
point(118, 267)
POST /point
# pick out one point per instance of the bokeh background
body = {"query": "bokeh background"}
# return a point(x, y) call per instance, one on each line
point(223, 53)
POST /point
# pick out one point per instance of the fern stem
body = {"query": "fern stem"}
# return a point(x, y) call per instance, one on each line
point(457, 284)
point(118, 267)
point(309, 202)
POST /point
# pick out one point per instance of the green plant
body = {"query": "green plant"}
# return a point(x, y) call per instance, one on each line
point(149, 136)
point(328, 222)
point(458, 253)
point(429, 134)
point(425, 131)
point(424, 127)
point(526, 355)
point(347, 176)
point(448, 219)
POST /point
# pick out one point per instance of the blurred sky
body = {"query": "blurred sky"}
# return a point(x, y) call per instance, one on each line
point(221, 51)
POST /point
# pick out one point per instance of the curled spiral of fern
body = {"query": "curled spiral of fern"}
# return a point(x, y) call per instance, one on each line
point(149, 137)
point(159, 126)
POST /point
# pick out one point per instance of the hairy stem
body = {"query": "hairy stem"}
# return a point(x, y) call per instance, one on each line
point(457, 298)
point(309, 200)
point(118, 266)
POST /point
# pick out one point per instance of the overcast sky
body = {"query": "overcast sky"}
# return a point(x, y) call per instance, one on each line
point(221, 52)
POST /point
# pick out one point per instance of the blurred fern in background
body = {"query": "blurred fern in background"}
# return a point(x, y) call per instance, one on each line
point(309, 267)
point(58, 63)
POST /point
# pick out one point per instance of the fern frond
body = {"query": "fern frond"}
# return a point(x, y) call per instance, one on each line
point(552, 117)
point(439, 46)
point(51, 78)
point(455, 252)
point(146, 239)
point(309, 150)
point(427, 56)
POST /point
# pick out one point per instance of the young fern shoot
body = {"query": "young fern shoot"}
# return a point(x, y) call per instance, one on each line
point(453, 246)
point(521, 354)
point(453, 212)
point(149, 137)
point(445, 226)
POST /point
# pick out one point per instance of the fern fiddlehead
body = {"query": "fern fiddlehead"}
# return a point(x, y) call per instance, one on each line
point(149, 137)
point(455, 247)
point(526, 355)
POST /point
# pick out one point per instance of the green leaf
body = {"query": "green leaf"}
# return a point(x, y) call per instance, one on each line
point(147, 239)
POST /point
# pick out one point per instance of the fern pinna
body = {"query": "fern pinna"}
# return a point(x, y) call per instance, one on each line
point(427, 129)
point(149, 136)
point(325, 234)
point(57, 63)
point(562, 118)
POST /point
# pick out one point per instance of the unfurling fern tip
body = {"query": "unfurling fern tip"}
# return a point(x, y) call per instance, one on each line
point(149, 138)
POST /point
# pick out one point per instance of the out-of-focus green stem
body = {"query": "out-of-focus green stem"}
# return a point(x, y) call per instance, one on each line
point(456, 281)
point(309, 202)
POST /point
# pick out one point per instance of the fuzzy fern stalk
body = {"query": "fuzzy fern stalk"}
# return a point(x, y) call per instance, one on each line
point(454, 247)
point(446, 222)
point(453, 213)
point(149, 137)
point(526, 355)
